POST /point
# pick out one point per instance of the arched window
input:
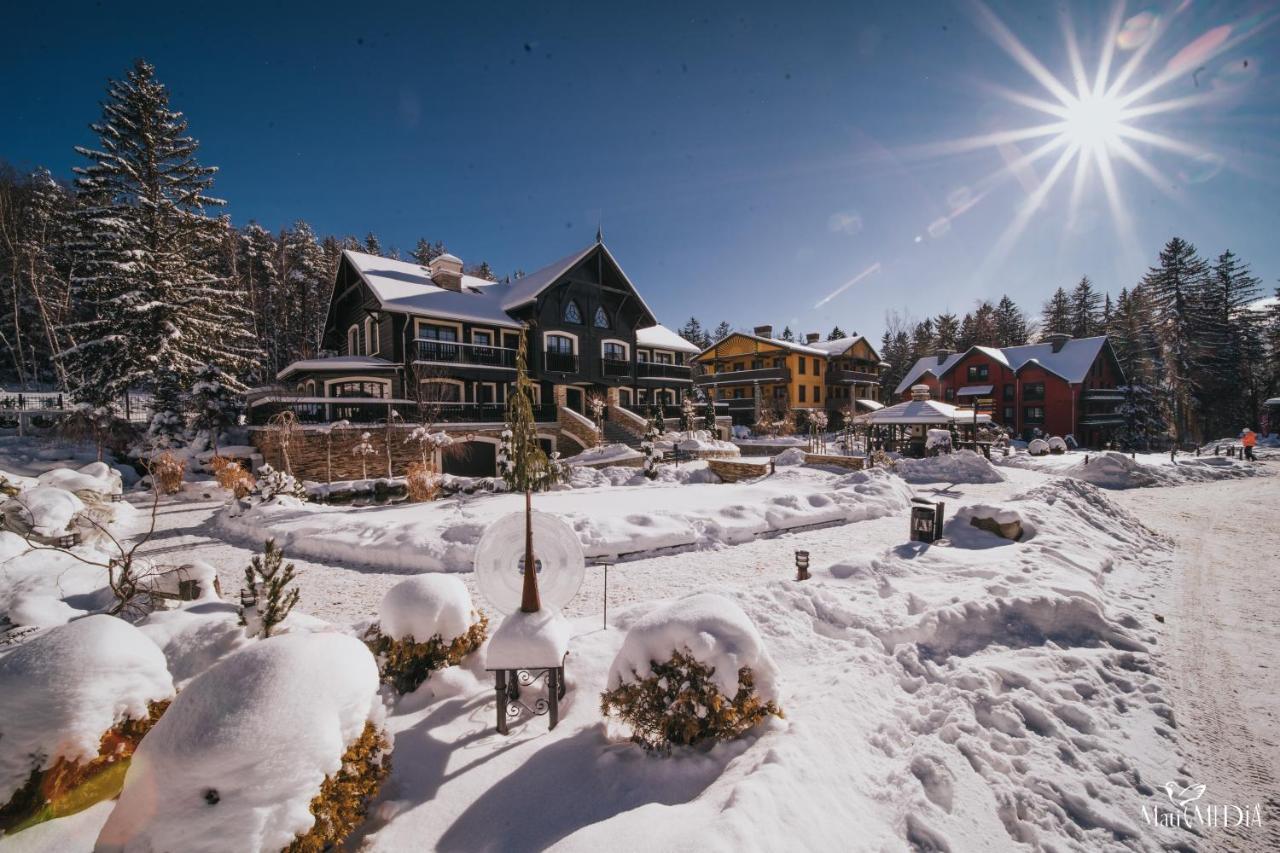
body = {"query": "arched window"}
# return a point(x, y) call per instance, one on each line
point(572, 313)
point(601, 320)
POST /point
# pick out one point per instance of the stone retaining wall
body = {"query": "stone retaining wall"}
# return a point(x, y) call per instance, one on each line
point(733, 470)
point(853, 463)
point(571, 422)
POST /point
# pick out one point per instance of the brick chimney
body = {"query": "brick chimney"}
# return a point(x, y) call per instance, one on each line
point(763, 331)
point(446, 272)
point(919, 392)
point(1057, 340)
point(942, 355)
point(812, 337)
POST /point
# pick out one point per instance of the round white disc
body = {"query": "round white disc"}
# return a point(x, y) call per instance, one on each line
point(556, 550)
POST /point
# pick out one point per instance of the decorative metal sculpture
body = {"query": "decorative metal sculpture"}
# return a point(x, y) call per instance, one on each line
point(499, 561)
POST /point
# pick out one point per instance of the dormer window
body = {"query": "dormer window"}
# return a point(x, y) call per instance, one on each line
point(601, 320)
point(572, 313)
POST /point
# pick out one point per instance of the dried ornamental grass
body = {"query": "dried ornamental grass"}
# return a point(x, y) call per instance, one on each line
point(422, 482)
point(406, 663)
point(232, 476)
point(167, 471)
point(343, 801)
point(67, 787)
point(680, 705)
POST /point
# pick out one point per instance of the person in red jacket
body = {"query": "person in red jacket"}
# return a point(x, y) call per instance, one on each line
point(1249, 440)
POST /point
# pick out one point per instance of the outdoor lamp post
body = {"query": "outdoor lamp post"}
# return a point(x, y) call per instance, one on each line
point(248, 597)
point(802, 565)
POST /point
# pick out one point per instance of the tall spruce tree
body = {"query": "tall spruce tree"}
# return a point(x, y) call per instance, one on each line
point(1234, 366)
point(1135, 346)
point(1086, 310)
point(153, 308)
point(836, 333)
point(1175, 288)
point(1011, 324)
point(693, 332)
point(1056, 315)
point(787, 334)
point(723, 330)
point(947, 329)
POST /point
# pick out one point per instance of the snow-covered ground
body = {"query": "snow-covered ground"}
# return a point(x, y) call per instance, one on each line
point(974, 694)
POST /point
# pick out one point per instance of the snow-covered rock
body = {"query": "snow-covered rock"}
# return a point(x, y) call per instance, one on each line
point(712, 629)
point(237, 759)
point(46, 510)
point(529, 640)
point(425, 605)
point(61, 691)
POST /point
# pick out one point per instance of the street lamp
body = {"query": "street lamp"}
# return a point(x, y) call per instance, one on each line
point(802, 565)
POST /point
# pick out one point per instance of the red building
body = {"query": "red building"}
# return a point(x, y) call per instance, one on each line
point(1060, 386)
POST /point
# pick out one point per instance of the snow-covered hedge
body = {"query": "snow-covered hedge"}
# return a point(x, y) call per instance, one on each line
point(424, 623)
point(279, 744)
point(692, 671)
point(74, 702)
point(1038, 447)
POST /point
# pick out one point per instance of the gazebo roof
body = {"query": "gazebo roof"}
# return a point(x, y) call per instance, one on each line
point(922, 412)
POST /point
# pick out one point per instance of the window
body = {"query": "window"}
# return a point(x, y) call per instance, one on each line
point(438, 333)
point(1033, 414)
point(779, 392)
point(757, 363)
point(560, 344)
point(572, 313)
point(817, 367)
point(601, 320)
point(1008, 414)
point(486, 392)
point(777, 362)
point(951, 394)
point(802, 388)
point(817, 395)
point(357, 389)
point(662, 358)
point(739, 365)
point(802, 363)
point(737, 393)
point(483, 339)
point(978, 372)
point(353, 340)
point(642, 355)
point(1008, 392)
point(436, 391)
point(1033, 391)
point(615, 351)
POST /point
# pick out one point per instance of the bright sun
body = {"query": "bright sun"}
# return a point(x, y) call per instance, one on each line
point(1094, 122)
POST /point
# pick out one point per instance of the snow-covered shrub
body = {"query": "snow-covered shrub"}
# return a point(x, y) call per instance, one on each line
point(278, 746)
point(271, 484)
point(267, 580)
point(47, 511)
point(231, 475)
point(166, 472)
point(1038, 447)
point(1057, 445)
point(74, 703)
point(422, 482)
point(938, 440)
point(650, 452)
point(97, 478)
point(424, 623)
point(790, 456)
point(692, 671)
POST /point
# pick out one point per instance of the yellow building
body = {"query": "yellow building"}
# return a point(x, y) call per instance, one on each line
point(751, 372)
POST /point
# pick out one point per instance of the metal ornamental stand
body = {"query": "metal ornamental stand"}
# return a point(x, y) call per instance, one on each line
point(506, 687)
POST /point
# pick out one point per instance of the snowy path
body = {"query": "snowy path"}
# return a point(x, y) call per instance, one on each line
point(1223, 632)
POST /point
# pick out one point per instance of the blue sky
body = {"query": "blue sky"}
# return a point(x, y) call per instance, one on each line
point(746, 161)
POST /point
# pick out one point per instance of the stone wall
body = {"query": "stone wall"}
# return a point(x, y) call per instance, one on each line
point(853, 463)
point(733, 470)
point(576, 425)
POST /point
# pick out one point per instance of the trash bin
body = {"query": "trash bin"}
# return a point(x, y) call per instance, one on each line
point(926, 520)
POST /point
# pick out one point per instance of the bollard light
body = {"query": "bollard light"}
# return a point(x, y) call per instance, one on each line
point(802, 565)
point(248, 597)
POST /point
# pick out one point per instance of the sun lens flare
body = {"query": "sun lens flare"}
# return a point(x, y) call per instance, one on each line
point(1094, 123)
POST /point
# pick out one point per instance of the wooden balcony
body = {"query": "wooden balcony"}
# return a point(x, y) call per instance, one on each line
point(451, 352)
point(746, 377)
point(654, 370)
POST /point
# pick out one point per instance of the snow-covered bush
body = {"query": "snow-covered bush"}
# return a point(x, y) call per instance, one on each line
point(650, 452)
point(938, 440)
point(47, 511)
point(421, 482)
point(424, 623)
point(74, 703)
point(1038, 447)
point(278, 746)
point(166, 472)
point(691, 671)
point(97, 478)
point(231, 475)
point(790, 456)
point(1057, 445)
point(271, 484)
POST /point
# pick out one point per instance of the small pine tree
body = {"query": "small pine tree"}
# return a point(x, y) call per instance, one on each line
point(787, 334)
point(688, 415)
point(648, 448)
point(214, 402)
point(836, 334)
point(709, 415)
point(267, 581)
point(722, 331)
point(168, 420)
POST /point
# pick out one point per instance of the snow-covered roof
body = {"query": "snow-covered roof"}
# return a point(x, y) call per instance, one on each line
point(840, 345)
point(663, 338)
point(791, 345)
point(527, 288)
point(974, 390)
point(1072, 362)
point(922, 412)
point(406, 287)
point(870, 405)
point(346, 362)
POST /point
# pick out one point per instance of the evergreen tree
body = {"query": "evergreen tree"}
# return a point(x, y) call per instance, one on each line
point(215, 404)
point(1135, 347)
point(648, 448)
point(371, 244)
point(529, 469)
point(1175, 289)
point(947, 330)
point(787, 334)
point(693, 332)
point(267, 581)
point(836, 334)
point(148, 288)
point(923, 340)
point(1086, 310)
point(1234, 366)
point(1056, 316)
point(722, 331)
point(709, 414)
point(1107, 311)
point(1011, 324)
point(424, 253)
point(168, 423)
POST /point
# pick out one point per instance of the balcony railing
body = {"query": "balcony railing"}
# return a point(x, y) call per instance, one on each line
point(834, 376)
point(738, 377)
point(322, 410)
point(615, 367)
point(450, 352)
point(655, 370)
point(560, 362)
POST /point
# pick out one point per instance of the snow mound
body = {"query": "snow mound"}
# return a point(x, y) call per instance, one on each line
point(1114, 471)
point(37, 610)
point(425, 605)
point(963, 466)
point(712, 629)
point(701, 440)
point(236, 760)
point(196, 637)
point(97, 477)
point(60, 692)
point(790, 456)
point(529, 640)
point(602, 454)
point(47, 510)
point(1038, 447)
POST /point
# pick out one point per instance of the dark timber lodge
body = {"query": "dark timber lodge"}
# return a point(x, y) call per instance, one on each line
point(406, 344)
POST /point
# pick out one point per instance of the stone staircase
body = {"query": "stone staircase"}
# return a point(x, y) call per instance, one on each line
point(614, 434)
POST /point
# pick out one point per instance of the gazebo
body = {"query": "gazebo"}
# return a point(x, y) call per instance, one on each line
point(905, 426)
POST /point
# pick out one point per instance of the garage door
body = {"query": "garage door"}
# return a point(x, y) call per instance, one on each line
point(471, 459)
